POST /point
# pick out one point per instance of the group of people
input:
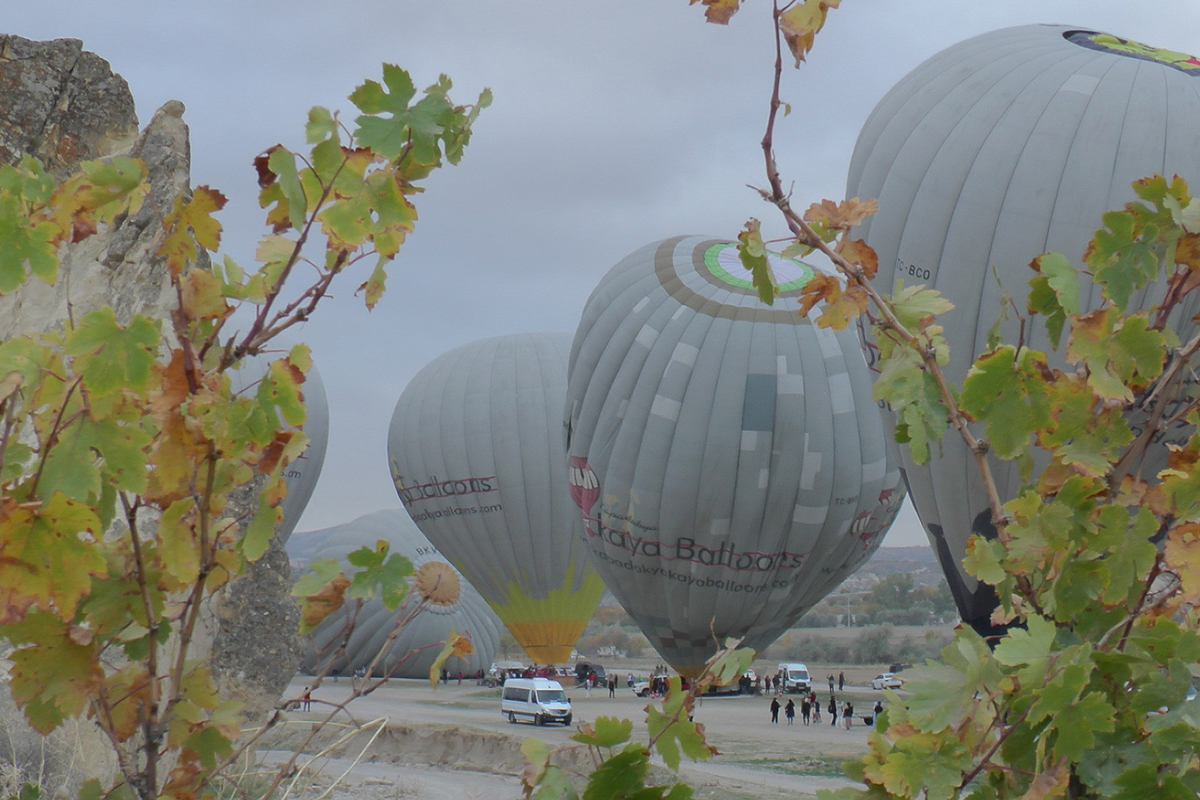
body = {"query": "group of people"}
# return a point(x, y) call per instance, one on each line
point(810, 710)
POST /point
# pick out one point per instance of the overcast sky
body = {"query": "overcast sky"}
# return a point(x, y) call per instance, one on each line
point(615, 124)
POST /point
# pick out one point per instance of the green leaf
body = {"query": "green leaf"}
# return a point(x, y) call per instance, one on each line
point(1078, 723)
point(257, 538)
point(25, 245)
point(914, 305)
point(317, 575)
point(605, 732)
point(380, 574)
point(620, 776)
point(283, 163)
point(673, 732)
point(753, 255)
point(1054, 292)
point(53, 675)
point(1121, 260)
point(111, 357)
point(1007, 389)
point(321, 126)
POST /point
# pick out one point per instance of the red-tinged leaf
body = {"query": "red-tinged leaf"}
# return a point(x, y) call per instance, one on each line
point(821, 288)
point(127, 695)
point(48, 558)
point(315, 607)
point(718, 11)
point(52, 677)
point(856, 251)
point(457, 644)
point(190, 225)
point(846, 214)
point(845, 307)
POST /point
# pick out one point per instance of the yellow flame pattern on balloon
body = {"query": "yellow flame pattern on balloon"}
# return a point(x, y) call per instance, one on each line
point(548, 627)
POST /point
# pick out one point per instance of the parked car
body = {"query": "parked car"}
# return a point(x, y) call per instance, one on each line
point(887, 680)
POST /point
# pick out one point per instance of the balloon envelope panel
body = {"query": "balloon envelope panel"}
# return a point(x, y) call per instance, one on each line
point(302, 474)
point(476, 453)
point(727, 456)
point(990, 153)
point(415, 648)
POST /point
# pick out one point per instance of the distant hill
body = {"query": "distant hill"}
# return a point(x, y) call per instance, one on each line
point(920, 562)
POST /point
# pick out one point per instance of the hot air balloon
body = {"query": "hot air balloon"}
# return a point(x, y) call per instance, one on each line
point(411, 654)
point(990, 153)
point(302, 473)
point(727, 457)
point(476, 453)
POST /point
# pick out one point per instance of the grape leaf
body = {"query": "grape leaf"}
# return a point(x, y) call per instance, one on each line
point(672, 731)
point(604, 732)
point(753, 255)
point(1120, 259)
point(718, 11)
point(111, 357)
point(458, 645)
point(1007, 389)
point(52, 675)
point(801, 23)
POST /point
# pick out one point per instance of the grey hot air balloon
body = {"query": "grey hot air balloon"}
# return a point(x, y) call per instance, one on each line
point(476, 453)
point(301, 475)
point(413, 651)
point(727, 456)
point(990, 153)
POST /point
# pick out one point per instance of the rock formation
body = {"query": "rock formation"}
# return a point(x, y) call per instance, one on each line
point(65, 105)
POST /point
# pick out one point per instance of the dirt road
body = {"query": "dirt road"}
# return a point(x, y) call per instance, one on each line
point(453, 742)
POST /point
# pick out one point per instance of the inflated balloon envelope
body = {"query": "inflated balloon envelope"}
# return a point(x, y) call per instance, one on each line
point(990, 153)
point(412, 652)
point(476, 454)
point(727, 457)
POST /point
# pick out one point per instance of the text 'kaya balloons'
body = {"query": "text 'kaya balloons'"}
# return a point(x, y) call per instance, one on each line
point(728, 458)
point(412, 653)
point(990, 153)
point(476, 453)
point(302, 473)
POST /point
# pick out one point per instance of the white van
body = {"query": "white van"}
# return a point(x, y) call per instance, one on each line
point(793, 677)
point(539, 700)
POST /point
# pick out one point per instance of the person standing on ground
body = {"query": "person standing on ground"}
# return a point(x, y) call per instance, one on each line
point(848, 714)
point(790, 711)
point(612, 686)
point(775, 710)
point(833, 709)
point(816, 707)
point(831, 683)
point(841, 681)
point(306, 700)
point(805, 709)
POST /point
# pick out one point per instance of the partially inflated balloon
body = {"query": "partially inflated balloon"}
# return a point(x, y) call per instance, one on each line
point(302, 473)
point(476, 453)
point(727, 456)
point(992, 152)
point(458, 608)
